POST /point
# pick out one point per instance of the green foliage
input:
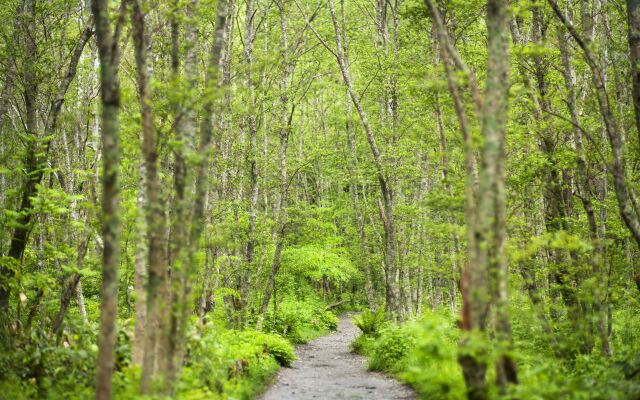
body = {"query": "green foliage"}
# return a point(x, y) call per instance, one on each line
point(370, 323)
point(300, 321)
point(221, 364)
point(230, 363)
point(316, 262)
point(432, 367)
point(425, 354)
point(588, 377)
point(329, 320)
point(422, 353)
point(544, 375)
point(42, 368)
point(333, 231)
point(390, 350)
point(280, 349)
point(363, 344)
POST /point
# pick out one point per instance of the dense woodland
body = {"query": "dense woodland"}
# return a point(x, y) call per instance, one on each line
point(191, 187)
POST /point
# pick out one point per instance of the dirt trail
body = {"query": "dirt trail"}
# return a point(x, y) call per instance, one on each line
point(326, 369)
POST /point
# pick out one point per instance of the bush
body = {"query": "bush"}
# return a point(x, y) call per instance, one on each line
point(288, 323)
point(389, 351)
point(370, 323)
point(230, 363)
point(39, 368)
point(425, 354)
point(432, 366)
point(421, 353)
point(280, 349)
point(363, 344)
point(328, 320)
point(300, 321)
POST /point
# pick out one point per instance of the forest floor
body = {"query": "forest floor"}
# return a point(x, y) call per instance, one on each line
point(326, 369)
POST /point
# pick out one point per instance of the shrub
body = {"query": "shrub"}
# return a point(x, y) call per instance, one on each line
point(370, 323)
point(288, 323)
point(230, 363)
point(363, 344)
point(329, 320)
point(432, 366)
point(390, 350)
point(40, 369)
point(280, 349)
point(425, 355)
point(300, 321)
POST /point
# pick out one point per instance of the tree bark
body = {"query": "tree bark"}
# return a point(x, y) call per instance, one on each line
point(285, 130)
point(155, 269)
point(252, 152)
point(107, 42)
point(487, 271)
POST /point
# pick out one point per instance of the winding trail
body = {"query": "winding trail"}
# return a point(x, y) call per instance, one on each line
point(326, 369)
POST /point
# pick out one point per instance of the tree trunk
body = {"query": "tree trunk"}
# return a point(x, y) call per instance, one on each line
point(285, 129)
point(156, 266)
point(633, 21)
point(360, 224)
point(110, 98)
point(252, 152)
point(487, 272)
point(141, 272)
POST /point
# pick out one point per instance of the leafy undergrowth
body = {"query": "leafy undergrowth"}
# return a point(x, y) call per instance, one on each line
point(220, 362)
point(301, 321)
point(227, 364)
point(423, 353)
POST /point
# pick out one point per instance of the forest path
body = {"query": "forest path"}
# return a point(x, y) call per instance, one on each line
point(326, 369)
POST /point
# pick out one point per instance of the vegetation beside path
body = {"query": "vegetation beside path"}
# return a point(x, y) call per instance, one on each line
point(424, 354)
point(221, 362)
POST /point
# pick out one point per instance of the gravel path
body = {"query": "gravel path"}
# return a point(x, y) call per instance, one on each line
point(326, 369)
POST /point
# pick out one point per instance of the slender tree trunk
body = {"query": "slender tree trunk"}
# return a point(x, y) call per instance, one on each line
point(353, 188)
point(252, 153)
point(155, 269)
point(33, 164)
point(487, 271)
point(285, 129)
point(71, 286)
point(81, 304)
point(141, 272)
point(555, 207)
point(633, 20)
point(450, 59)
point(183, 188)
point(224, 12)
point(444, 162)
point(600, 264)
point(110, 98)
